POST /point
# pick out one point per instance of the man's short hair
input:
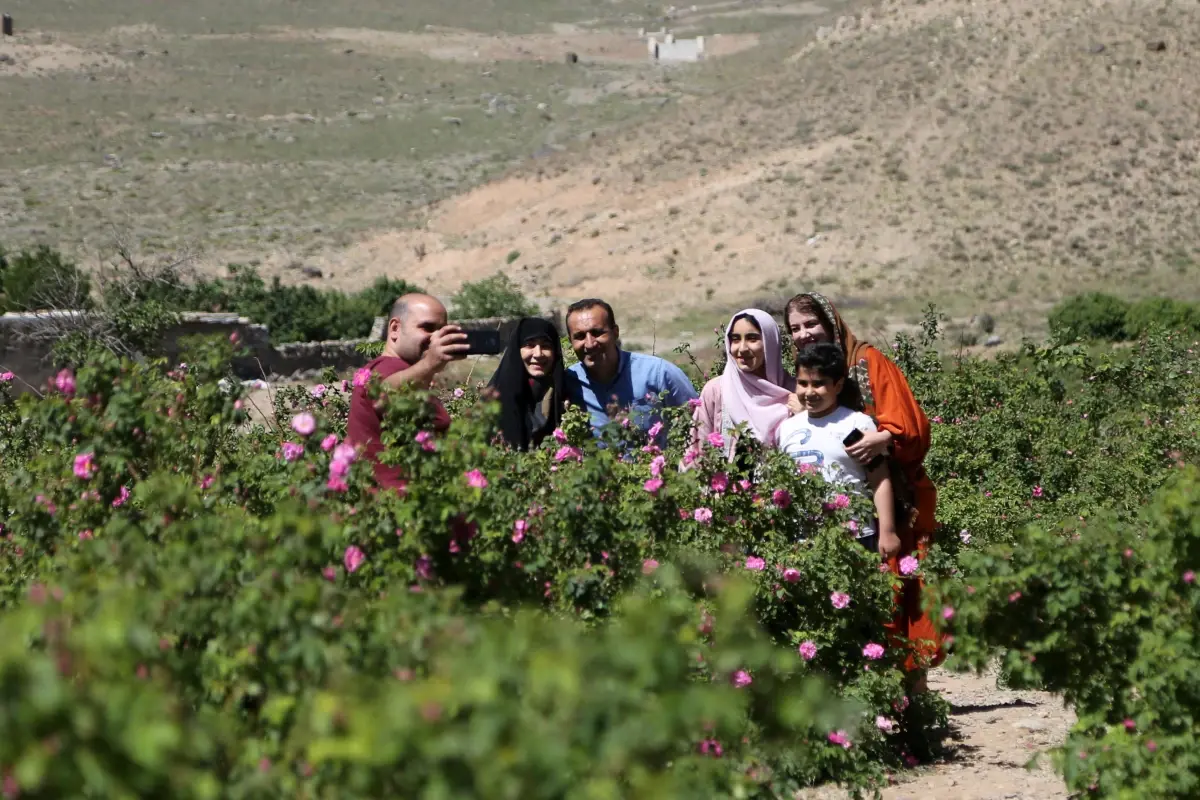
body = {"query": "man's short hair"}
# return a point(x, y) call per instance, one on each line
point(399, 310)
point(589, 303)
point(825, 358)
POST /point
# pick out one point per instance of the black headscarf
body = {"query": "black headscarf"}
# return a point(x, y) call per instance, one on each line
point(527, 415)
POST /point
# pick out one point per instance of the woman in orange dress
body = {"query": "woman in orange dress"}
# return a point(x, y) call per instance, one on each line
point(904, 436)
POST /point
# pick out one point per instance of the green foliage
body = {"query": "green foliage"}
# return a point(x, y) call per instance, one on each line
point(497, 296)
point(1097, 316)
point(41, 279)
point(532, 624)
point(291, 313)
point(1163, 312)
point(1107, 614)
point(1089, 316)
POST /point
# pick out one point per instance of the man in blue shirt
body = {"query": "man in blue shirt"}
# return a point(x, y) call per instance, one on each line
point(611, 379)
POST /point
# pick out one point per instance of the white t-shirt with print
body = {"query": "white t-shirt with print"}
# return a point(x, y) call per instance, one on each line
point(818, 441)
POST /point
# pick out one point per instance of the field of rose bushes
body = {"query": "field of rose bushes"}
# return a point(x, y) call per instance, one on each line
point(191, 606)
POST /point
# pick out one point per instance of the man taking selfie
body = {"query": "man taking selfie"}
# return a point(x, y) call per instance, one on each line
point(419, 346)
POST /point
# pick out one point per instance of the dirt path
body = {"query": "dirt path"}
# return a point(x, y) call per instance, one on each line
point(993, 734)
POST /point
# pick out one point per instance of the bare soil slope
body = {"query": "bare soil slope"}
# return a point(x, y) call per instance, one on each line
point(988, 156)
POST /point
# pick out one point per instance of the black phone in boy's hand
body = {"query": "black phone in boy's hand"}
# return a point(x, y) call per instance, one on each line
point(854, 436)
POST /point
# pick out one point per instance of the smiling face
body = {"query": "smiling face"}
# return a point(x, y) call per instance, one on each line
point(746, 347)
point(538, 357)
point(806, 328)
point(818, 394)
point(594, 340)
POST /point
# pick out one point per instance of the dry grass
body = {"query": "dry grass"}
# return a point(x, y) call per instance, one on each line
point(988, 157)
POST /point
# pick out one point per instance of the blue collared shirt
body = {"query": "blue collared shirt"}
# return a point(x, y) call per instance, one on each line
point(640, 380)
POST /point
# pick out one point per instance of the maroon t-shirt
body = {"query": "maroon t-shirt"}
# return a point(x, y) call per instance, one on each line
point(364, 427)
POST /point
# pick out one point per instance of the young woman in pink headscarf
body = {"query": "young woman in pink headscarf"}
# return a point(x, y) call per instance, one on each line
point(753, 389)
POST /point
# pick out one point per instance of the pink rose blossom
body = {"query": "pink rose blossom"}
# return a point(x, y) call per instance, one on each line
point(782, 498)
point(720, 483)
point(566, 452)
point(458, 393)
point(85, 467)
point(841, 501)
point(329, 442)
point(122, 497)
point(840, 738)
point(1189, 577)
point(653, 485)
point(292, 451)
point(1151, 745)
point(839, 600)
point(657, 465)
point(655, 430)
point(808, 650)
point(755, 564)
point(710, 747)
point(318, 391)
point(353, 558)
point(703, 515)
point(1130, 725)
point(362, 377)
point(873, 651)
point(715, 439)
point(948, 612)
point(64, 381)
point(519, 528)
point(304, 424)
point(426, 440)
point(791, 574)
point(424, 568)
point(85, 535)
point(336, 484)
point(1014, 597)
point(648, 566)
point(909, 565)
point(559, 435)
point(5, 377)
point(1037, 491)
point(884, 724)
point(329, 573)
point(206, 482)
point(741, 679)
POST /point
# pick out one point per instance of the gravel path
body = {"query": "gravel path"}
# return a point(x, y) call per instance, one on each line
point(993, 734)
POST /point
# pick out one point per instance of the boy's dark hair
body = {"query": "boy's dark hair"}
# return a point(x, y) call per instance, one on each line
point(826, 358)
point(591, 302)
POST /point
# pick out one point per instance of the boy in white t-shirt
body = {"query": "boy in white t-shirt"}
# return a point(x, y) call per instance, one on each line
point(817, 434)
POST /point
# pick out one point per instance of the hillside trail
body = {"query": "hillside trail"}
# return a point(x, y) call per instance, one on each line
point(993, 734)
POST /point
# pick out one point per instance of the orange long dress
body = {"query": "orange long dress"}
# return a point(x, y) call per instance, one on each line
point(889, 400)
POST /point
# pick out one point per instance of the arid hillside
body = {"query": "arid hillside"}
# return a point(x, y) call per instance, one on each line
point(989, 157)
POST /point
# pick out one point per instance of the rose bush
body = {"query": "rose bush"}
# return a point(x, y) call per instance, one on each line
point(574, 620)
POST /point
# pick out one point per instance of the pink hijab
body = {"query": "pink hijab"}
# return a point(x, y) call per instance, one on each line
point(762, 403)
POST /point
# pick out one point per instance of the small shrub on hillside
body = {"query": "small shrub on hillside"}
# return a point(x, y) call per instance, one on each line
point(1089, 316)
point(41, 279)
point(1164, 312)
point(497, 296)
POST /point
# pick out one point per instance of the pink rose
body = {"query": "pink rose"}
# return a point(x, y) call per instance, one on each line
point(741, 679)
point(873, 651)
point(755, 564)
point(840, 738)
point(703, 515)
point(656, 466)
point(304, 424)
point(519, 528)
point(808, 650)
point(567, 452)
point(426, 440)
point(884, 724)
point(292, 451)
point(85, 467)
point(948, 612)
point(64, 381)
point(839, 600)
point(5, 377)
point(791, 574)
point(353, 558)
point(362, 377)
point(720, 482)
point(559, 435)
point(655, 430)
point(653, 485)
point(329, 442)
point(782, 498)
point(715, 439)
point(122, 497)
point(476, 480)
point(318, 391)
point(458, 393)
point(1189, 577)
point(909, 565)
point(648, 566)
